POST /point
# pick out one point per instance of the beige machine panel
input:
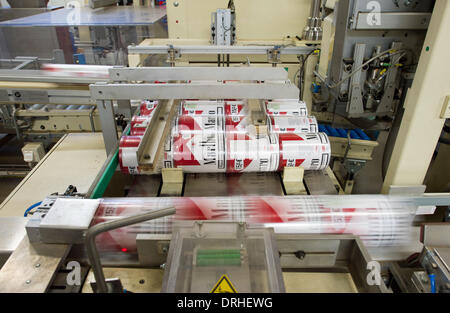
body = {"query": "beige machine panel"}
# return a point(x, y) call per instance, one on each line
point(75, 160)
point(255, 19)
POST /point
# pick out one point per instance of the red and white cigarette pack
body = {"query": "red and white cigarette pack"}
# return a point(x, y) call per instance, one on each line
point(198, 124)
point(196, 153)
point(201, 107)
point(249, 154)
point(147, 107)
point(310, 150)
point(293, 124)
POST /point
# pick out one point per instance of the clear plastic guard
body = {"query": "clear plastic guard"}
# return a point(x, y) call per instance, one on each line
point(222, 257)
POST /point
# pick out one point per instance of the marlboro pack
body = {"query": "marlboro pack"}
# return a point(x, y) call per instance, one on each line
point(198, 124)
point(199, 107)
point(293, 124)
point(213, 107)
point(236, 108)
point(286, 108)
point(139, 124)
point(147, 107)
point(248, 154)
point(309, 150)
point(196, 153)
point(237, 124)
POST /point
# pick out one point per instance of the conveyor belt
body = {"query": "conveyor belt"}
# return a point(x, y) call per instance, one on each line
point(356, 133)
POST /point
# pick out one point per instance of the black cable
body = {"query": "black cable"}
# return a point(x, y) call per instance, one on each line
point(445, 141)
point(302, 72)
point(447, 129)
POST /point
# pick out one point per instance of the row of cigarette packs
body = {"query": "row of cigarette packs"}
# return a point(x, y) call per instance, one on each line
point(217, 136)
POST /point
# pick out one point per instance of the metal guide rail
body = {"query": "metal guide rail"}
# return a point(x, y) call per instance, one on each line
point(196, 73)
point(44, 93)
point(43, 77)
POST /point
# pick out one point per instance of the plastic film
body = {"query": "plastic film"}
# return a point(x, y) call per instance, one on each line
point(378, 220)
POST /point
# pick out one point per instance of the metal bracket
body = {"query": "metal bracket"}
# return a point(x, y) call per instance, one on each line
point(354, 166)
point(172, 55)
point(389, 85)
point(346, 171)
point(29, 96)
point(355, 104)
point(173, 179)
point(349, 144)
point(273, 55)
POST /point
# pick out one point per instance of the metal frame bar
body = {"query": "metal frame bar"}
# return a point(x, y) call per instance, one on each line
point(109, 128)
point(202, 49)
point(390, 83)
point(16, 75)
point(355, 104)
point(194, 91)
point(196, 73)
point(46, 96)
